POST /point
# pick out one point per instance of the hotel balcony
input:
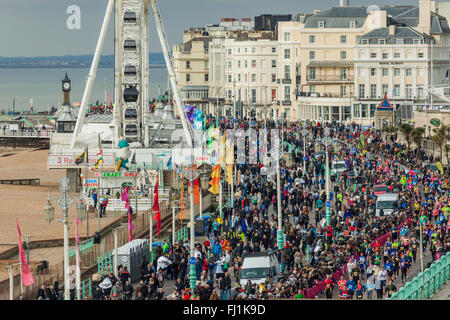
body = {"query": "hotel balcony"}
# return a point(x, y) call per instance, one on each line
point(329, 79)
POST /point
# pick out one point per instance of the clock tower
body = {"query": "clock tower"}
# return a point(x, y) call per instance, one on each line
point(66, 87)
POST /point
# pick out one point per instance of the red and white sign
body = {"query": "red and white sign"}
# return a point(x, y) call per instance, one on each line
point(68, 161)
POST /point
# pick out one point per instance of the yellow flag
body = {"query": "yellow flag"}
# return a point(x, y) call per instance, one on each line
point(439, 165)
point(222, 150)
point(229, 173)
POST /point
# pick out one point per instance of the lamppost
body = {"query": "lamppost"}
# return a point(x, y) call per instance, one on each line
point(64, 201)
point(304, 133)
point(116, 272)
point(11, 279)
point(280, 236)
point(191, 173)
point(327, 173)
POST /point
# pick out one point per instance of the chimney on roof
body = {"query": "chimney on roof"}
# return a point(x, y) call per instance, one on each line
point(392, 30)
point(425, 9)
point(344, 3)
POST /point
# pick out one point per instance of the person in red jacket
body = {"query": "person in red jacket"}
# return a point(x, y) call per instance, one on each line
point(329, 286)
point(329, 234)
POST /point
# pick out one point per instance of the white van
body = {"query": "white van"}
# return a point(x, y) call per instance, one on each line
point(338, 166)
point(388, 202)
point(256, 267)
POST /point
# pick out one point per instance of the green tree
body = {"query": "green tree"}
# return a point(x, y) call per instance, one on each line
point(440, 138)
point(416, 136)
point(406, 129)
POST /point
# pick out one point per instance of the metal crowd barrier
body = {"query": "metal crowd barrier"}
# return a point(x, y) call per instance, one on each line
point(435, 277)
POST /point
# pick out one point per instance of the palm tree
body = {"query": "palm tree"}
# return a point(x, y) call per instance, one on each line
point(440, 138)
point(417, 137)
point(406, 129)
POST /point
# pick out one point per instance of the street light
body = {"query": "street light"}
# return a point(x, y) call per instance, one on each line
point(116, 272)
point(82, 214)
point(191, 173)
point(327, 173)
point(64, 201)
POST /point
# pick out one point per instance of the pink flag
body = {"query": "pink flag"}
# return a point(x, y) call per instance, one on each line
point(125, 197)
point(155, 208)
point(77, 238)
point(25, 272)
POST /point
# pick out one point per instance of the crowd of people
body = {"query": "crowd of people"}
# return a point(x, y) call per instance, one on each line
point(357, 253)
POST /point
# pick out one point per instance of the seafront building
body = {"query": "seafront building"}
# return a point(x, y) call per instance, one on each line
point(331, 65)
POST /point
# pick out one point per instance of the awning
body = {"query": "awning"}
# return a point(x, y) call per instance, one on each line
point(385, 105)
point(330, 64)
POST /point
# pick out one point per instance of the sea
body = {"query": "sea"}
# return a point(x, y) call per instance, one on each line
point(42, 87)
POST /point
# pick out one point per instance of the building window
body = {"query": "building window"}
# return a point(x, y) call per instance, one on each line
point(343, 91)
point(408, 72)
point(274, 63)
point(287, 93)
point(364, 110)
point(274, 78)
point(408, 91)
point(396, 55)
point(274, 50)
point(188, 64)
point(253, 77)
point(343, 73)
point(312, 39)
point(399, 41)
point(356, 113)
point(343, 39)
point(352, 24)
point(362, 72)
point(373, 55)
point(343, 55)
point(385, 89)
point(229, 94)
point(396, 90)
point(229, 51)
point(312, 73)
point(239, 77)
point(239, 63)
point(321, 24)
point(287, 53)
point(420, 70)
point(287, 72)
point(245, 77)
point(364, 41)
point(287, 36)
point(253, 64)
point(206, 64)
point(312, 89)
point(253, 95)
point(385, 72)
point(373, 72)
point(253, 50)
point(396, 72)
point(381, 41)
point(361, 91)
point(373, 91)
point(245, 50)
point(312, 55)
point(373, 107)
point(229, 64)
point(385, 55)
point(420, 55)
point(230, 78)
point(420, 93)
point(188, 77)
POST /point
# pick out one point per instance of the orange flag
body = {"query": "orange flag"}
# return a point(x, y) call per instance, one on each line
point(196, 191)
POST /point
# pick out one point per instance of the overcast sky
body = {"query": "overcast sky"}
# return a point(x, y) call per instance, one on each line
point(38, 27)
